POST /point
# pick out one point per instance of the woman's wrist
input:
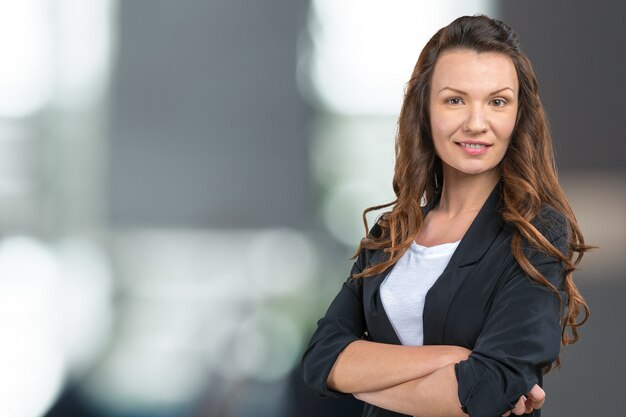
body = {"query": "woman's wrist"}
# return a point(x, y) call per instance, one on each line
point(440, 356)
point(455, 354)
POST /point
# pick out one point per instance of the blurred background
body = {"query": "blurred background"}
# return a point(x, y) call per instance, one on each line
point(181, 188)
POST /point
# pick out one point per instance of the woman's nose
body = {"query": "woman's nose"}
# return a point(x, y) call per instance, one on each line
point(475, 121)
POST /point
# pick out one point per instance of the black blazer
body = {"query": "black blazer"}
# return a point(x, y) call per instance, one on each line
point(482, 301)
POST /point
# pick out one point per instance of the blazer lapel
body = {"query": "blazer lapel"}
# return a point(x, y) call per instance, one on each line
point(379, 326)
point(478, 238)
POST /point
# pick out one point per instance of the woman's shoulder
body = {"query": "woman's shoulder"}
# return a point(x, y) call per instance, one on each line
point(551, 223)
point(376, 231)
point(554, 226)
point(367, 256)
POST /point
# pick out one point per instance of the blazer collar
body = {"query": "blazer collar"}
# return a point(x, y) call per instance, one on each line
point(474, 244)
point(481, 232)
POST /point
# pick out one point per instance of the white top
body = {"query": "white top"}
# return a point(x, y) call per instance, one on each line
point(404, 290)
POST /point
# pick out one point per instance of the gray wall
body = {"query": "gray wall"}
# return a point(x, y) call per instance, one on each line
point(207, 127)
point(577, 49)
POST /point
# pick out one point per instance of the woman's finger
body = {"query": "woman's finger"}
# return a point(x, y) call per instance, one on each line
point(520, 407)
point(529, 407)
point(537, 396)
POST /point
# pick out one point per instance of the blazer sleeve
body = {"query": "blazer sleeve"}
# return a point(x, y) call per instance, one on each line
point(342, 324)
point(520, 336)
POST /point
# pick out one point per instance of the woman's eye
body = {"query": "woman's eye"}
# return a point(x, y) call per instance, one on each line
point(454, 100)
point(498, 102)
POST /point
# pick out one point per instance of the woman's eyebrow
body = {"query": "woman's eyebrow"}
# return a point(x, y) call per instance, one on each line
point(456, 90)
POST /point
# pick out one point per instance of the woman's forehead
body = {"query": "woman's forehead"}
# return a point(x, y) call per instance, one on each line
point(468, 70)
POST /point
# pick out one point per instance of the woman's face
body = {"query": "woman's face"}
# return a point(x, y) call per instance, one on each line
point(473, 107)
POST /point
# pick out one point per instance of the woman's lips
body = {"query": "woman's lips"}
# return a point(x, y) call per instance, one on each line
point(473, 148)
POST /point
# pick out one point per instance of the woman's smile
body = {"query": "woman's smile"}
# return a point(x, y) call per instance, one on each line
point(474, 148)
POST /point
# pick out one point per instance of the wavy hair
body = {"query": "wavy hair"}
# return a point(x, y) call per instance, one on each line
point(527, 172)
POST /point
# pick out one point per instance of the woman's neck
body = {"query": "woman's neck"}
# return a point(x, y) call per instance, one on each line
point(465, 193)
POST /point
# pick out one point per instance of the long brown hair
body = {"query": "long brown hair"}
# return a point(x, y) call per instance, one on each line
point(527, 172)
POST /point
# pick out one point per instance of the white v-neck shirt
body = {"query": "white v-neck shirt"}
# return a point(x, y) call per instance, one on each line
point(404, 290)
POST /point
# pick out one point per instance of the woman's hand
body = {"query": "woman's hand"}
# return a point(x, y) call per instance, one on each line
point(536, 398)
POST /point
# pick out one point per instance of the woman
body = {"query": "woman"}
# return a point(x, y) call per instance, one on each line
point(459, 305)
